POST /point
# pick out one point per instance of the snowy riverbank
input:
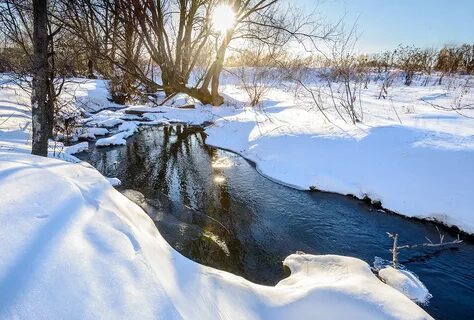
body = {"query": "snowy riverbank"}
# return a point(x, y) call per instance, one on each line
point(74, 247)
point(413, 158)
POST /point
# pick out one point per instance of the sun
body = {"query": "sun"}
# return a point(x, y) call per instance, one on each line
point(223, 18)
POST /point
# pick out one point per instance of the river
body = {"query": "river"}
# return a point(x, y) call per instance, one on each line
point(215, 208)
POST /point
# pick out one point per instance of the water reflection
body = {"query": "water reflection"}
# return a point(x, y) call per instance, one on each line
point(186, 196)
point(213, 207)
point(221, 162)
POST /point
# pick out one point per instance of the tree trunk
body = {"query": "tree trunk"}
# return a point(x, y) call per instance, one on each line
point(39, 95)
point(217, 99)
point(90, 68)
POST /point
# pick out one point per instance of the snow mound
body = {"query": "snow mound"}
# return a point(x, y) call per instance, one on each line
point(115, 182)
point(80, 147)
point(197, 116)
point(119, 138)
point(92, 132)
point(128, 126)
point(407, 283)
point(179, 100)
point(105, 119)
point(90, 95)
point(75, 248)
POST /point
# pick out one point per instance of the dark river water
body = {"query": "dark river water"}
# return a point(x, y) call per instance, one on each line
point(212, 206)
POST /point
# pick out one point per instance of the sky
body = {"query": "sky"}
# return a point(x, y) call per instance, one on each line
point(384, 24)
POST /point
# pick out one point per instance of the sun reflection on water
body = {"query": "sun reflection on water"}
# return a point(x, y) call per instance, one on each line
point(219, 179)
point(222, 162)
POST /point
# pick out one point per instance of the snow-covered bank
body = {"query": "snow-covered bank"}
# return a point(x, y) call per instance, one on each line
point(413, 158)
point(395, 165)
point(74, 247)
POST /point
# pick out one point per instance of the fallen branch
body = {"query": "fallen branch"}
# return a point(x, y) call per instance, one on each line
point(396, 248)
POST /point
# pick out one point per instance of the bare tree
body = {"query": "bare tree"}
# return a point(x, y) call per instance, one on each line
point(176, 35)
point(307, 79)
point(17, 21)
point(452, 60)
point(348, 73)
point(112, 44)
point(339, 80)
point(412, 60)
point(468, 58)
point(126, 41)
point(387, 82)
point(258, 69)
point(41, 111)
point(179, 38)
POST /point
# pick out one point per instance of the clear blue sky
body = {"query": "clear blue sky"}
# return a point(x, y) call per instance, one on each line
point(383, 24)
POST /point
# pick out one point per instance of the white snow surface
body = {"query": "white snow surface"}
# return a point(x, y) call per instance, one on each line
point(88, 95)
point(125, 130)
point(106, 119)
point(405, 282)
point(87, 252)
point(115, 182)
point(75, 248)
point(91, 132)
point(79, 147)
point(115, 140)
point(196, 116)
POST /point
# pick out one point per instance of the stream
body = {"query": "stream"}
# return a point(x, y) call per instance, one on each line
point(213, 207)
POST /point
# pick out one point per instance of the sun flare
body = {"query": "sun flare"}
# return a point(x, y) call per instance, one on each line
point(223, 18)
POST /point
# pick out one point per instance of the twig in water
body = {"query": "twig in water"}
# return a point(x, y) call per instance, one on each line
point(396, 248)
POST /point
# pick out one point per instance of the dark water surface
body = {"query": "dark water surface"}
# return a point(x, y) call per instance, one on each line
point(212, 206)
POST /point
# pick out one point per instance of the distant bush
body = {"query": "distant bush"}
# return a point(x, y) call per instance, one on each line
point(449, 60)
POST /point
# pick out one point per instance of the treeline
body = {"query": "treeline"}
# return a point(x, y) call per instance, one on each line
point(449, 60)
point(141, 46)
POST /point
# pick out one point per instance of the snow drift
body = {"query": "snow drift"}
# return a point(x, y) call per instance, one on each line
point(407, 283)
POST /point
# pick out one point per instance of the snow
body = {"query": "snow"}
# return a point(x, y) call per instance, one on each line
point(196, 116)
point(128, 126)
point(115, 182)
point(125, 130)
point(405, 282)
point(92, 133)
point(412, 157)
point(88, 95)
point(79, 147)
point(87, 252)
point(143, 109)
point(115, 140)
point(407, 169)
point(180, 100)
point(15, 118)
point(105, 119)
